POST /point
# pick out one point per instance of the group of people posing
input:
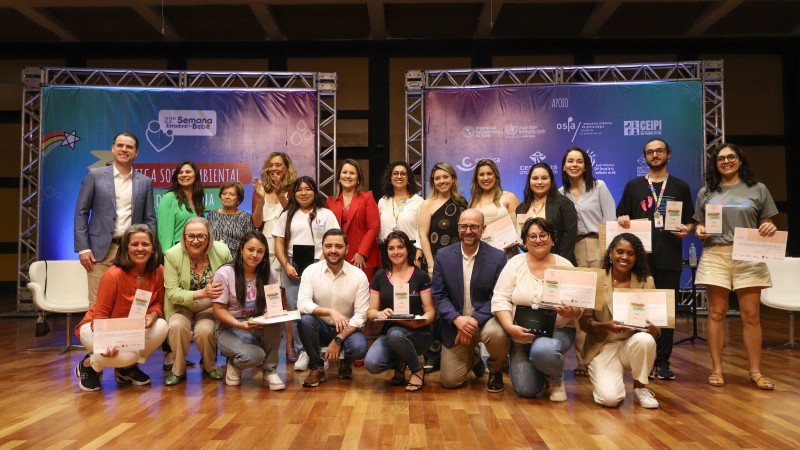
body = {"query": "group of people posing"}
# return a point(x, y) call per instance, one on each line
point(347, 261)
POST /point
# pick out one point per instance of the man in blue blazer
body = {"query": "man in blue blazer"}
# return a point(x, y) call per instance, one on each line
point(111, 199)
point(466, 314)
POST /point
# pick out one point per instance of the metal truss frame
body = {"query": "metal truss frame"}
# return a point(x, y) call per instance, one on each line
point(418, 81)
point(30, 150)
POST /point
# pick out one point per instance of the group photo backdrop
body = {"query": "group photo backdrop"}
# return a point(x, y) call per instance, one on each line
point(227, 133)
point(518, 127)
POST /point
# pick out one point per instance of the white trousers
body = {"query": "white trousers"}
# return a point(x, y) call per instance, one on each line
point(153, 337)
point(637, 354)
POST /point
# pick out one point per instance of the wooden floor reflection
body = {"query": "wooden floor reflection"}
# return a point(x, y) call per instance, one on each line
point(42, 407)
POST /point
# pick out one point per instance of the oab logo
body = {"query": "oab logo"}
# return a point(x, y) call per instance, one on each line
point(537, 157)
point(569, 125)
point(468, 131)
point(468, 163)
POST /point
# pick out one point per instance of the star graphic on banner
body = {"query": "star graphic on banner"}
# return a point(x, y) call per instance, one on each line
point(70, 139)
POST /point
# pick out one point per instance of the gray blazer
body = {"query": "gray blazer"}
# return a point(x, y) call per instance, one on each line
point(96, 210)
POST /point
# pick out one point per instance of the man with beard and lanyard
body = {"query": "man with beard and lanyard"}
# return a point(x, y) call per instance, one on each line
point(646, 198)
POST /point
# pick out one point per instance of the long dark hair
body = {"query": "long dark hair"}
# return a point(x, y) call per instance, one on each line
point(123, 258)
point(712, 176)
point(528, 197)
point(198, 193)
point(386, 181)
point(410, 250)
point(641, 268)
point(588, 177)
point(294, 206)
point(262, 271)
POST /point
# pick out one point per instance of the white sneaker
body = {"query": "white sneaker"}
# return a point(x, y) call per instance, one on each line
point(302, 362)
point(274, 382)
point(233, 376)
point(645, 397)
point(557, 391)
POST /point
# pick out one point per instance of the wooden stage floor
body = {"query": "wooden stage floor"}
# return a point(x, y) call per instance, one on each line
point(42, 407)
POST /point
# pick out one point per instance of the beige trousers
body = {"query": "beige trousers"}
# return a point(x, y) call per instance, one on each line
point(587, 254)
point(457, 361)
point(180, 336)
point(98, 270)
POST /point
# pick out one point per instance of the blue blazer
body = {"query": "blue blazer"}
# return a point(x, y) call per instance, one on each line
point(96, 210)
point(447, 287)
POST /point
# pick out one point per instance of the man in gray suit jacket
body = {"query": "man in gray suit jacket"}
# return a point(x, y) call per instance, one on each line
point(111, 199)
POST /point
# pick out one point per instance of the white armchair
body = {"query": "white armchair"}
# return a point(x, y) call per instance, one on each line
point(783, 294)
point(59, 287)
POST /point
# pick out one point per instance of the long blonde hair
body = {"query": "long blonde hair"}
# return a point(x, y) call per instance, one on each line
point(476, 192)
point(455, 192)
point(291, 171)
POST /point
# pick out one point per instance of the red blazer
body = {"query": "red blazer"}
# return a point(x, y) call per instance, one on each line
point(361, 225)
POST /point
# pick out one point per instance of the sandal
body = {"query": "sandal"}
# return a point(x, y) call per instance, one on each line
point(581, 371)
point(761, 381)
point(716, 379)
point(399, 378)
point(412, 387)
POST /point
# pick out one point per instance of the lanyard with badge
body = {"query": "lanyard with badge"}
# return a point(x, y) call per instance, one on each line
point(658, 219)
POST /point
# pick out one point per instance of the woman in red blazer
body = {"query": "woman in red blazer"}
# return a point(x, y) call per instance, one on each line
point(358, 216)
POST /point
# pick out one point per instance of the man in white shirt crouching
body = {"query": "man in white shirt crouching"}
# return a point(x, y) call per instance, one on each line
point(333, 300)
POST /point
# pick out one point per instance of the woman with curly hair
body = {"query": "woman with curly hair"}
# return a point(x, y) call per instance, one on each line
point(746, 203)
point(399, 206)
point(612, 347)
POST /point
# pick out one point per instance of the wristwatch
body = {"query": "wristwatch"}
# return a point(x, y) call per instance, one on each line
point(338, 341)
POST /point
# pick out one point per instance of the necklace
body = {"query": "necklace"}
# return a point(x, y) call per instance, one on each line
point(534, 211)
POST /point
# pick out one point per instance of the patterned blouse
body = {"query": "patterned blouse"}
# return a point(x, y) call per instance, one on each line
point(229, 228)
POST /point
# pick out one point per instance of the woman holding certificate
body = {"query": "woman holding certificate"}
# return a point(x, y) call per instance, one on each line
point(534, 359)
point(132, 288)
point(401, 288)
point(612, 347)
point(188, 270)
point(594, 204)
point(541, 199)
point(488, 196)
point(247, 345)
point(298, 241)
point(732, 198)
point(357, 214)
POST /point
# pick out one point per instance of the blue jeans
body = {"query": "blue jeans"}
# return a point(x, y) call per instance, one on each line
point(532, 363)
point(292, 289)
point(398, 345)
point(315, 332)
point(250, 349)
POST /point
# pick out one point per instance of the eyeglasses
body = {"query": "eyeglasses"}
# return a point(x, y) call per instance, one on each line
point(196, 237)
point(539, 237)
point(473, 228)
point(399, 174)
point(732, 157)
point(655, 151)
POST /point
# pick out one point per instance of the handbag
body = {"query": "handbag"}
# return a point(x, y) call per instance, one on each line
point(42, 328)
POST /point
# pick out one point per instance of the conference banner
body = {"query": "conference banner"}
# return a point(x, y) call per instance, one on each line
point(227, 133)
point(518, 127)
